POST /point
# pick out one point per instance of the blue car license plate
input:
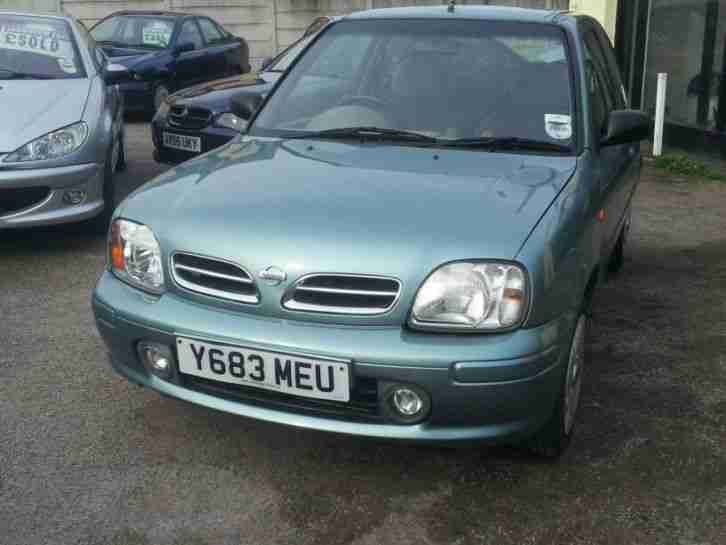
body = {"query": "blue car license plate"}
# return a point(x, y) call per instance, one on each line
point(182, 142)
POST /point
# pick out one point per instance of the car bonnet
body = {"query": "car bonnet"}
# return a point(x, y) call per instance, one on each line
point(320, 206)
point(32, 108)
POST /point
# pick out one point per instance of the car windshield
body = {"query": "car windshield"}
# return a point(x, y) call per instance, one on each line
point(137, 31)
point(37, 48)
point(466, 80)
point(283, 61)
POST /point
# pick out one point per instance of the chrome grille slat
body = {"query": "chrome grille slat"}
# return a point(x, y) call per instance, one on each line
point(349, 292)
point(364, 295)
point(189, 117)
point(213, 274)
point(213, 277)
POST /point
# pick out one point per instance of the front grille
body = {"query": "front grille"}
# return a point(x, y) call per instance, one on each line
point(15, 200)
point(343, 294)
point(189, 117)
point(363, 404)
point(213, 277)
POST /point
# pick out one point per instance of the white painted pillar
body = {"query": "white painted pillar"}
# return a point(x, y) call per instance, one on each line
point(660, 104)
point(275, 39)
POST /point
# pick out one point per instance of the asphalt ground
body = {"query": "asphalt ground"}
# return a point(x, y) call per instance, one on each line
point(87, 458)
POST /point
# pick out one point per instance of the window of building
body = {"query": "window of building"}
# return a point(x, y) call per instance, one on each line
point(687, 40)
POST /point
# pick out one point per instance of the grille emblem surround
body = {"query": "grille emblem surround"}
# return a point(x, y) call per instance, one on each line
point(273, 276)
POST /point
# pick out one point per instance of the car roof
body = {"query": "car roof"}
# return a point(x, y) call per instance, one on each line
point(45, 15)
point(151, 13)
point(491, 13)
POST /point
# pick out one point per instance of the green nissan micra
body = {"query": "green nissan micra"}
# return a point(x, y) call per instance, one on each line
point(404, 241)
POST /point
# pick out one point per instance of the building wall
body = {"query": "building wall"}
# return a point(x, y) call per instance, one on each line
point(605, 11)
point(34, 5)
point(267, 25)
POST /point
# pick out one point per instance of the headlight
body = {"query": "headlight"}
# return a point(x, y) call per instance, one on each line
point(135, 256)
point(483, 296)
point(230, 121)
point(52, 145)
point(163, 110)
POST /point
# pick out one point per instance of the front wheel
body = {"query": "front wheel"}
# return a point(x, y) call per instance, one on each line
point(100, 223)
point(554, 438)
point(120, 162)
point(617, 258)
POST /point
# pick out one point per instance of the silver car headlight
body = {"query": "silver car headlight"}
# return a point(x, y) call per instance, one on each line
point(472, 296)
point(230, 121)
point(52, 145)
point(135, 256)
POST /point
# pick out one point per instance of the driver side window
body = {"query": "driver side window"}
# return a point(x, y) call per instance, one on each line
point(599, 104)
point(190, 34)
point(100, 56)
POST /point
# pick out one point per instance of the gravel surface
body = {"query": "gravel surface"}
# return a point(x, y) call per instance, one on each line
point(87, 458)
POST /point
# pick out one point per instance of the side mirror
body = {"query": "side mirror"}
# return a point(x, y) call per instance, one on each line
point(626, 126)
point(182, 48)
point(244, 105)
point(115, 73)
point(266, 62)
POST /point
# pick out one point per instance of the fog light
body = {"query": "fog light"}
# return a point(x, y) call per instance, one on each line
point(157, 357)
point(405, 403)
point(74, 196)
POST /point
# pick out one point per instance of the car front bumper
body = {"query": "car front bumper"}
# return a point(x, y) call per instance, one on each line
point(50, 185)
point(490, 388)
point(211, 138)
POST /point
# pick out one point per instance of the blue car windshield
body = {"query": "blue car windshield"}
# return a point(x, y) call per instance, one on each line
point(448, 80)
point(38, 48)
point(135, 31)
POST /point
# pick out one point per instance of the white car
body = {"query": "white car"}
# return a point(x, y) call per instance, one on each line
point(61, 126)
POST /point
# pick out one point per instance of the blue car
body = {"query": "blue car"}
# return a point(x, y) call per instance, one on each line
point(166, 51)
point(403, 244)
point(198, 119)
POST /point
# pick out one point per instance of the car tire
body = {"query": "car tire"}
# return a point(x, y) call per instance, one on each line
point(121, 160)
point(101, 221)
point(617, 258)
point(554, 437)
point(161, 91)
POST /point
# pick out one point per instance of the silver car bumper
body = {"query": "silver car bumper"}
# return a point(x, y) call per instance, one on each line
point(49, 206)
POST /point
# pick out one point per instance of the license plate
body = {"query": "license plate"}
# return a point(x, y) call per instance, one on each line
point(303, 376)
point(182, 142)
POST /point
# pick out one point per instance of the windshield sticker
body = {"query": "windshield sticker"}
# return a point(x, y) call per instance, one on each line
point(558, 127)
point(39, 39)
point(157, 33)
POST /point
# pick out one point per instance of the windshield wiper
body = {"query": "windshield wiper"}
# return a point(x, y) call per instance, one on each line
point(369, 133)
point(6, 73)
point(507, 143)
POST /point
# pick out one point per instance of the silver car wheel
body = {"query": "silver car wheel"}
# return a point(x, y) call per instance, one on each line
point(575, 367)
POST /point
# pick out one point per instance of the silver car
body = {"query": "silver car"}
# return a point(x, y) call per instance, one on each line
point(61, 123)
